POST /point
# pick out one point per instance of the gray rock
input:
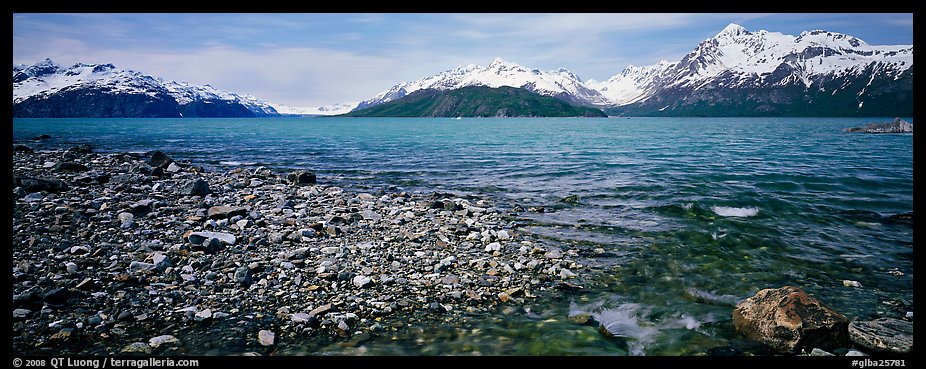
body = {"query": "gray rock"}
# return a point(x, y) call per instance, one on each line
point(553, 254)
point(70, 267)
point(265, 337)
point(203, 315)
point(789, 320)
point(21, 313)
point(197, 238)
point(819, 352)
point(371, 215)
point(362, 281)
point(856, 353)
point(494, 246)
point(125, 216)
point(139, 266)
point(141, 208)
point(225, 211)
point(342, 325)
point(243, 275)
point(330, 250)
point(173, 168)
point(162, 340)
point(39, 184)
point(137, 347)
point(300, 318)
point(195, 187)
point(887, 335)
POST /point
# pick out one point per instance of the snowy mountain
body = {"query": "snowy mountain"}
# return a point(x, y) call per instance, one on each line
point(561, 83)
point(736, 72)
point(46, 89)
point(335, 109)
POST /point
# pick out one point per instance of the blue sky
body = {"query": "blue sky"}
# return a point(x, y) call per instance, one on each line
point(319, 59)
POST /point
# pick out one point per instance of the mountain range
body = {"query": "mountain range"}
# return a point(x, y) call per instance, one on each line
point(476, 101)
point(735, 73)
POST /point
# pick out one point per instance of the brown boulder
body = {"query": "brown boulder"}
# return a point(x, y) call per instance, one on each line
point(789, 320)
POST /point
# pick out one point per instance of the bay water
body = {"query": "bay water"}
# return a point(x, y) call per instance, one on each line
point(693, 214)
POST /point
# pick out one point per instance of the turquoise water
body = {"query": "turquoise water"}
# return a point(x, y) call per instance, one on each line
point(697, 212)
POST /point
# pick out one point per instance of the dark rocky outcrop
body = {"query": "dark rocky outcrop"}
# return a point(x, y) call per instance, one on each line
point(789, 320)
point(301, 177)
point(897, 126)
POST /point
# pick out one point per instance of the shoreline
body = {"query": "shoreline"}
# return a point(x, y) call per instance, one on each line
point(120, 253)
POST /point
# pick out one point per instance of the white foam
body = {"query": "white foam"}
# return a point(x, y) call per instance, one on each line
point(726, 211)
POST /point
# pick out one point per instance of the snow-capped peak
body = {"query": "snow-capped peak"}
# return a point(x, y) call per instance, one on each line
point(46, 78)
point(496, 74)
point(733, 29)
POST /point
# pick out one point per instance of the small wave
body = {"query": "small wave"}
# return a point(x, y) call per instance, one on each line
point(726, 211)
point(238, 163)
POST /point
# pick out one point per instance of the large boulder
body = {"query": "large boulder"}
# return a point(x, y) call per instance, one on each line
point(789, 320)
point(887, 335)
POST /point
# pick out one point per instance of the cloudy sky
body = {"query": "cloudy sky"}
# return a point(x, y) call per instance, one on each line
point(320, 59)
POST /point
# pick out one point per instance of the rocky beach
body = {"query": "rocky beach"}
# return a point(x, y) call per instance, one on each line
point(118, 253)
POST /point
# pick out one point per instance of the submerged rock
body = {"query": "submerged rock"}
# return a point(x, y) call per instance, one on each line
point(789, 320)
point(897, 126)
point(883, 335)
point(265, 337)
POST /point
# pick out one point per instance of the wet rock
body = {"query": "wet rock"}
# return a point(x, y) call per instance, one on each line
point(571, 199)
point(789, 320)
point(79, 150)
point(159, 159)
point(22, 148)
point(162, 340)
point(848, 283)
point(301, 177)
point(266, 338)
point(195, 187)
point(38, 184)
point(886, 335)
point(41, 137)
